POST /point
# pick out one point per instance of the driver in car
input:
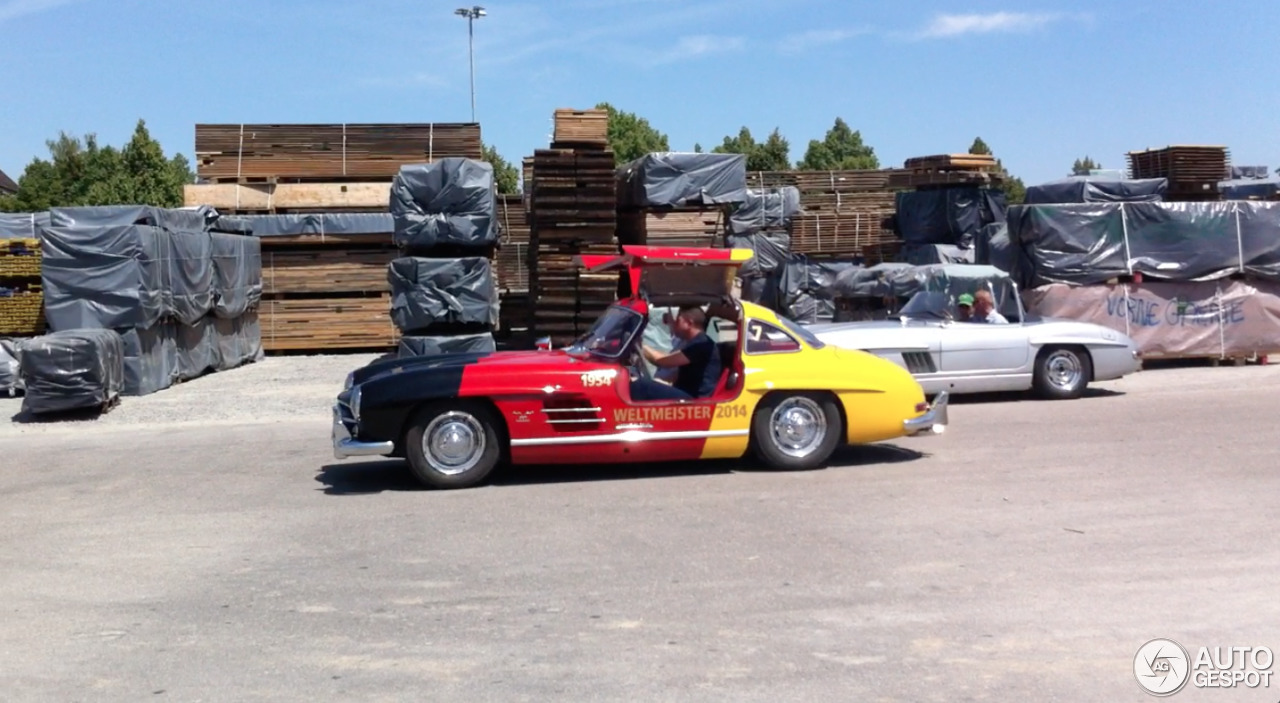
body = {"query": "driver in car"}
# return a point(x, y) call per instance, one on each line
point(696, 361)
point(984, 309)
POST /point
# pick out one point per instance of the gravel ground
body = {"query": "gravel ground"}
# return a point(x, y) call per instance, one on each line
point(275, 389)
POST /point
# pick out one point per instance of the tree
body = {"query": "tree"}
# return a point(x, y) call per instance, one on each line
point(772, 155)
point(1082, 167)
point(83, 173)
point(631, 136)
point(1015, 191)
point(840, 150)
point(506, 175)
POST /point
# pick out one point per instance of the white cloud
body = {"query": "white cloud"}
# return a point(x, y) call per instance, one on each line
point(795, 43)
point(958, 25)
point(696, 46)
point(17, 8)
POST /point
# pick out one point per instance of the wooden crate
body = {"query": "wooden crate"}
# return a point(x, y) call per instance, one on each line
point(581, 127)
point(237, 152)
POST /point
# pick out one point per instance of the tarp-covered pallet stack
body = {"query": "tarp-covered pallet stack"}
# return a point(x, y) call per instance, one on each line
point(956, 202)
point(572, 202)
point(763, 224)
point(181, 295)
point(1192, 172)
point(444, 298)
point(845, 220)
point(679, 199)
point(318, 195)
point(1185, 280)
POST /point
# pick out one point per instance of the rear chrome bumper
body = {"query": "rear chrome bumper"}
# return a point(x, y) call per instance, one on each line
point(933, 421)
point(344, 447)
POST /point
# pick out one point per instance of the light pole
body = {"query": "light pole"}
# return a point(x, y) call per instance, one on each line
point(471, 13)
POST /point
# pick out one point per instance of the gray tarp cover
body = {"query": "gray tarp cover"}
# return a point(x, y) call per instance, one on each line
point(771, 209)
point(157, 357)
point(22, 225)
point(237, 273)
point(993, 247)
point(1097, 189)
point(681, 179)
point(1249, 188)
point(924, 254)
point(1090, 243)
point(293, 225)
point(948, 215)
point(450, 202)
point(870, 282)
point(428, 293)
point(71, 369)
point(191, 219)
point(457, 344)
point(771, 252)
point(807, 286)
point(10, 373)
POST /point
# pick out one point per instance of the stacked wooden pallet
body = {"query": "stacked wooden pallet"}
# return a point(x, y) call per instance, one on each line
point(233, 152)
point(21, 296)
point(946, 170)
point(679, 228)
point(588, 128)
point(573, 201)
point(1193, 172)
point(844, 214)
point(511, 265)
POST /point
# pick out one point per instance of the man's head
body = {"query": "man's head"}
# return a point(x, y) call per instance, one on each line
point(690, 322)
point(965, 305)
point(983, 303)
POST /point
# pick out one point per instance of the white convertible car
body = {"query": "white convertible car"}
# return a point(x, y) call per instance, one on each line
point(1055, 358)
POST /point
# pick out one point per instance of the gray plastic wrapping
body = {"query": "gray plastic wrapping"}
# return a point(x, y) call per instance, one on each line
point(770, 252)
point(925, 254)
point(763, 290)
point(681, 179)
point(429, 293)
point(947, 215)
point(771, 209)
point(194, 219)
point(111, 276)
point(294, 225)
point(869, 282)
point(71, 370)
point(190, 274)
point(237, 269)
point(807, 289)
point(449, 202)
point(10, 367)
point(1246, 189)
point(197, 348)
point(455, 344)
point(150, 358)
point(1193, 241)
point(22, 225)
point(1097, 189)
point(238, 341)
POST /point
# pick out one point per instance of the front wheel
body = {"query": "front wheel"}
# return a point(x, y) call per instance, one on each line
point(796, 431)
point(453, 444)
point(1062, 374)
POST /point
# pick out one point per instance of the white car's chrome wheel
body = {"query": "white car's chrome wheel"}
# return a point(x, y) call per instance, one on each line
point(1063, 369)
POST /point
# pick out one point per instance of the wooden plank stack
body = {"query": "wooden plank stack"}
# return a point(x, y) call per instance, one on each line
point(1193, 172)
point(21, 296)
point(511, 265)
point(945, 170)
point(585, 128)
point(672, 228)
point(235, 152)
point(573, 201)
point(844, 214)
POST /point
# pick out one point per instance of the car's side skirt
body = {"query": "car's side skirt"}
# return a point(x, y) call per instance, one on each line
point(956, 384)
point(626, 437)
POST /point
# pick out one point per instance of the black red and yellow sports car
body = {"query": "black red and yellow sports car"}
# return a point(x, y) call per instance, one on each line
point(783, 394)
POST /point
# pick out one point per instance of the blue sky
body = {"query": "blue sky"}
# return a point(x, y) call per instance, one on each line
point(1042, 82)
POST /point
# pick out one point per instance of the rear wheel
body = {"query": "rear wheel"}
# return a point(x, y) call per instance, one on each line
point(796, 431)
point(453, 444)
point(1062, 373)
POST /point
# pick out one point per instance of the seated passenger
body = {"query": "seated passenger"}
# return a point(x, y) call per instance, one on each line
point(697, 362)
point(984, 309)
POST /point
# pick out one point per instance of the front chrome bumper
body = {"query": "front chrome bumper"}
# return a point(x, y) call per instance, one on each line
point(344, 447)
point(934, 420)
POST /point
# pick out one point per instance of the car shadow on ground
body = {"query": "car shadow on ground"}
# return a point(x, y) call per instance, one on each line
point(369, 477)
point(1027, 396)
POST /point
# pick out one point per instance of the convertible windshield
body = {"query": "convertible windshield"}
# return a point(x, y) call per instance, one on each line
point(929, 304)
point(611, 335)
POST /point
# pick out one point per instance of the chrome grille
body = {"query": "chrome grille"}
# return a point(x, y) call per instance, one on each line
point(572, 414)
point(919, 362)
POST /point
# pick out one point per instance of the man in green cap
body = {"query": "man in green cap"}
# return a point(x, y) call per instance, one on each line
point(965, 305)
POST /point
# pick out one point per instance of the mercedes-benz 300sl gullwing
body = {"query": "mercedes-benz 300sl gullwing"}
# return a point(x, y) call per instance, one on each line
point(779, 392)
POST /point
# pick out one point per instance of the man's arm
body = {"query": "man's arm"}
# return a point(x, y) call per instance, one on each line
point(663, 361)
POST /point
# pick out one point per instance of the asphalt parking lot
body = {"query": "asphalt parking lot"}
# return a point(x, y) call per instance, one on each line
point(201, 544)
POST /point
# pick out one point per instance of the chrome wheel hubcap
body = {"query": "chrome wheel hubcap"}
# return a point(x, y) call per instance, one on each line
point(799, 426)
point(1063, 369)
point(453, 443)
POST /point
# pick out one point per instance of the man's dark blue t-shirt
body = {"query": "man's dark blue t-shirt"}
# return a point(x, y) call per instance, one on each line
point(699, 377)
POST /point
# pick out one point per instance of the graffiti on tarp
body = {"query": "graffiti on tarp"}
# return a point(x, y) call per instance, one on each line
point(1145, 312)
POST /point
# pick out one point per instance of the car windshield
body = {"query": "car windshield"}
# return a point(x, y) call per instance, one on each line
point(612, 333)
point(802, 333)
point(928, 304)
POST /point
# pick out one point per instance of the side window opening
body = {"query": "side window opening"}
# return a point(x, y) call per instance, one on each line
point(764, 338)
